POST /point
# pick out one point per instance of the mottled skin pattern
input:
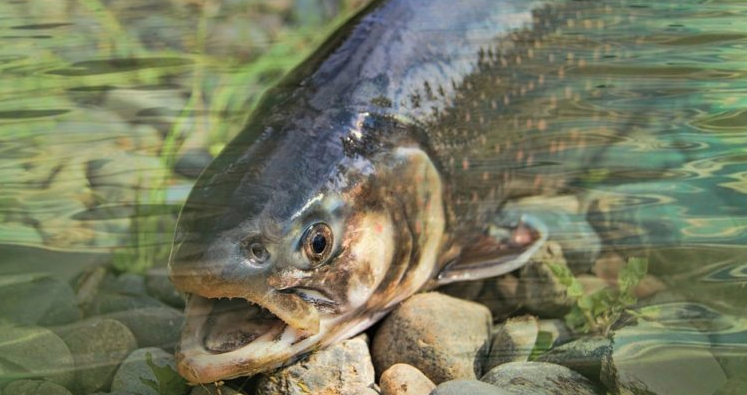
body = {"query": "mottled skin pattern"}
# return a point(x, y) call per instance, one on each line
point(398, 134)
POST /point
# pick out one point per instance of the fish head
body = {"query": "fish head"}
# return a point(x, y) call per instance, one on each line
point(292, 243)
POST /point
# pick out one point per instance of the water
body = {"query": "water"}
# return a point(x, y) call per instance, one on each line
point(99, 99)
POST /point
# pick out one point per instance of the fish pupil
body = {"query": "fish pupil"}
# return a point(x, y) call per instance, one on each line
point(319, 244)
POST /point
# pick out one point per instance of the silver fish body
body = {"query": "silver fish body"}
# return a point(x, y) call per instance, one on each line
point(373, 171)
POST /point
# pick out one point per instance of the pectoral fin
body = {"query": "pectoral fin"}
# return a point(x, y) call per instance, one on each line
point(504, 247)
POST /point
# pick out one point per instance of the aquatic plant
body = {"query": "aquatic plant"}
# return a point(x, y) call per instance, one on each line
point(597, 311)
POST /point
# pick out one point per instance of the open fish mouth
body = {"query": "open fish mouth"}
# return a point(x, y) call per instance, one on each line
point(234, 323)
point(226, 337)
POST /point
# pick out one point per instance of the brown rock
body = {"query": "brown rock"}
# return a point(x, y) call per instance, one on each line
point(513, 341)
point(342, 369)
point(444, 337)
point(403, 379)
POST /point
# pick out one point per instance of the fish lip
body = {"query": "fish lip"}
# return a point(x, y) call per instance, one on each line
point(199, 364)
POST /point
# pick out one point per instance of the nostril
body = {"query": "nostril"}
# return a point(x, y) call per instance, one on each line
point(256, 252)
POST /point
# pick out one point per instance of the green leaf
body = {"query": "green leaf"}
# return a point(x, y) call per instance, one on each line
point(166, 378)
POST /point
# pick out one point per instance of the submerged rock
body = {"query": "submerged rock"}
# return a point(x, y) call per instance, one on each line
point(35, 387)
point(37, 299)
point(149, 371)
point(152, 326)
point(465, 387)
point(513, 341)
point(540, 291)
point(344, 368)
point(648, 359)
point(538, 378)
point(159, 286)
point(584, 355)
point(98, 346)
point(444, 337)
point(34, 352)
point(403, 379)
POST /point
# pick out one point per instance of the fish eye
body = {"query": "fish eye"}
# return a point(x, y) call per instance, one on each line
point(318, 242)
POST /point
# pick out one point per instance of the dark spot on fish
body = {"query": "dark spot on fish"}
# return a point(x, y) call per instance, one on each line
point(381, 101)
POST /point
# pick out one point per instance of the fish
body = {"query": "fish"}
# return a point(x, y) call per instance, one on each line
point(380, 167)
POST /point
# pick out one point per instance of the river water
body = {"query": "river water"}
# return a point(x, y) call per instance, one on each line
point(100, 99)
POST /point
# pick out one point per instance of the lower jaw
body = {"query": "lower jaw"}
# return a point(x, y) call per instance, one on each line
point(202, 361)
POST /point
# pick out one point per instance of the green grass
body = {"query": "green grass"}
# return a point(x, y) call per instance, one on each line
point(596, 312)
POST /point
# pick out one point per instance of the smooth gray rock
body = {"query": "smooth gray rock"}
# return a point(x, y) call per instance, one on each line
point(648, 359)
point(540, 291)
point(149, 371)
point(467, 387)
point(443, 337)
point(584, 355)
point(539, 378)
point(159, 286)
point(35, 387)
point(37, 299)
point(152, 326)
point(512, 341)
point(109, 302)
point(403, 379)
point(343, 368)
point(98, 346)
point(34, 352)
point(129, 283)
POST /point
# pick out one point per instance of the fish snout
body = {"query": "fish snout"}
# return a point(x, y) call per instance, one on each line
point(217, 269)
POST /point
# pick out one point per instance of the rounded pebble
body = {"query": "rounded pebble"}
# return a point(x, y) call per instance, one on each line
point(444, 337)
point(537, 378)
point(467, 387)
point(403, 379)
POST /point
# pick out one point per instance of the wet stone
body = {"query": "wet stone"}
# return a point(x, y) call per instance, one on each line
point(211, 389)
point(555, 331)
point(403, 379)
point(37, 298)
point(152, 326)
point(512, 341)
point(537, 378)
point(584, 355)
point(159, 286)
point(149, 371)
point(464, 387)
point(34, 352)
point(98, 345)
point(444, 337)
point(128, 283)
point(111, 302)
point(341, 369)
point(35, 387)
point(498, 294)
point(540, 291)
point(647, 359)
